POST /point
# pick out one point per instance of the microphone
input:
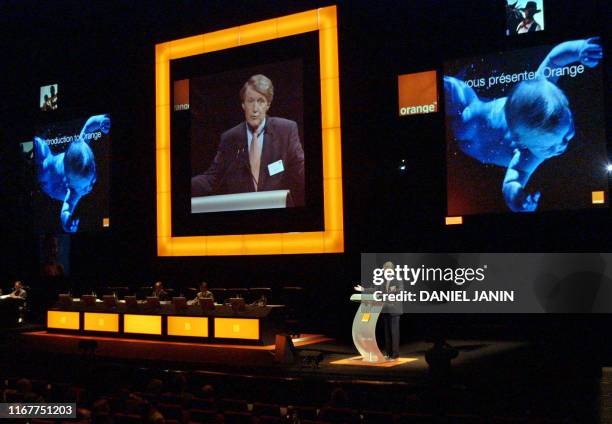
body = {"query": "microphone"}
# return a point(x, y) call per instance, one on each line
point(239, 150)
point(248, 164)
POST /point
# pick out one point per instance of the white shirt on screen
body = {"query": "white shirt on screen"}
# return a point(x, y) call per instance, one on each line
point(524, 28)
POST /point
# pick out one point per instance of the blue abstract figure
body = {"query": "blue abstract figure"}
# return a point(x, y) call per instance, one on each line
point(522, 130)
point(70, 175)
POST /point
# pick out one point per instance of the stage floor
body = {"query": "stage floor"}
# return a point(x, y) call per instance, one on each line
point(317, 355)
point(160, 350)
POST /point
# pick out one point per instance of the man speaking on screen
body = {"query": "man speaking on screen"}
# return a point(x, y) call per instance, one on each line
point(261, 154)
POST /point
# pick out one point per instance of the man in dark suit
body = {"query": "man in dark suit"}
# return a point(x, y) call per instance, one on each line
point(18, 291)
point(261, 154)
point(159, 292)
point(391, 314)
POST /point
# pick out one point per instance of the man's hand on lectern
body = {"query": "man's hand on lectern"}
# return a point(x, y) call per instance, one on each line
point(358, 287)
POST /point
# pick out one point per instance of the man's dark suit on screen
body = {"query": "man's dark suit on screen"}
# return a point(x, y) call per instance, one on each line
point(230, 171)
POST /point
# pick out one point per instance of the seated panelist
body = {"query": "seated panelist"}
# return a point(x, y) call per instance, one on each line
point(159, 292)
point(18, 291)
point(204, 293)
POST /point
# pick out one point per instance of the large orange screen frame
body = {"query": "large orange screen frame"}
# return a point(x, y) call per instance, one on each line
point(331, 240)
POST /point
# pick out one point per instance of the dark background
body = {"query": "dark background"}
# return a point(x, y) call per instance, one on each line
point(102, 56)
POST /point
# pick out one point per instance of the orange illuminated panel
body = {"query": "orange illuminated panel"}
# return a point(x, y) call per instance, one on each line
point(106, 222)
point(331, 240)
point(101, 322)
point(188, 326)
point(598, 197)
point(63, 320)
point(142, 324)
point(454, 220)
point(417, 93)
point(237, 328)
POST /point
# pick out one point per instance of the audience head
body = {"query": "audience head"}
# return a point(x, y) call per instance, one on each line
point(208, 391)
point(338, 398)
point(154, 416)
point(177, 382)
point(83, 414)
point(154, 386)
point(100, 407)
point(24, 385)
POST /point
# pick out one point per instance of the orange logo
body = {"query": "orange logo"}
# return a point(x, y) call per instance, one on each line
point(181, 95)
point(417, 93)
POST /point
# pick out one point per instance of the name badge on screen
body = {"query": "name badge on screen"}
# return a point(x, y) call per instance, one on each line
point(276, 167)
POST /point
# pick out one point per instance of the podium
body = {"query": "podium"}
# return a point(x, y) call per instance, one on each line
point(273, 199)
point(364, 327)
